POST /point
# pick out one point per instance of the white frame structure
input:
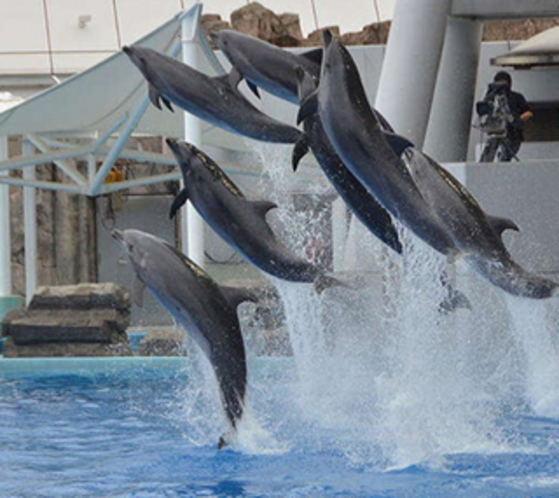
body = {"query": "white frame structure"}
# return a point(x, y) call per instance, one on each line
point(55, 148)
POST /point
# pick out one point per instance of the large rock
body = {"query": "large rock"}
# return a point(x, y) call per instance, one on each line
point(163, 342)
point(85, 296)
point(65, 350)
point(371, 34)
point(256, 20)
point(72, 320)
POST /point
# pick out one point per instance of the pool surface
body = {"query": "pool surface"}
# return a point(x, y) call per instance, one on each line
point(107, 428)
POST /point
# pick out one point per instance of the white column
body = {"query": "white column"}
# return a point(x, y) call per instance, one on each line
point(410, 66)
point(30, 227)
point(450, 123)
point(192, 229)
point(5, 239)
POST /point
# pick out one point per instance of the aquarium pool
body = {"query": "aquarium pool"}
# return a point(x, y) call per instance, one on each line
point(136, 427)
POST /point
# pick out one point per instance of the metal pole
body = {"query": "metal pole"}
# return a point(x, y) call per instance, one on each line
point(451, 115)
point(5, 239)
point(410, 66)
point(30, 226)
point(192, 229)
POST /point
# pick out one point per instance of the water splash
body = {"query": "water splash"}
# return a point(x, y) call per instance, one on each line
point(378, 374)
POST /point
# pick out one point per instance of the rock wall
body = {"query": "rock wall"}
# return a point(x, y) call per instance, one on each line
point(284, 30)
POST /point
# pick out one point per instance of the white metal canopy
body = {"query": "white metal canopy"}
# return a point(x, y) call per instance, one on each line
point(540, 50)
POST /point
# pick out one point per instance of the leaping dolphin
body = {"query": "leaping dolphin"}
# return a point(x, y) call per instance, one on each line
point(203, 308)
point(375, 218)
point(360, 201)
point(216, 100)
point(356, 134)
point(266, 66)
point(476, 234)
point(240, 222)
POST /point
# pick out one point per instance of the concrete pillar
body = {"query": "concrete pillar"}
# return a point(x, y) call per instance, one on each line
point(5, 239)
point(192, 229)
point(30, 227)
point(450, 123)
point(411, 64)
point(7, 300)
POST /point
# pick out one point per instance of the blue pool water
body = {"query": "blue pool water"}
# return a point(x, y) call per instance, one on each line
point(121, 428)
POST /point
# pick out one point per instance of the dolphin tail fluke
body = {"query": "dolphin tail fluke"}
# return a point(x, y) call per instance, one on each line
point(299, 151)
point(179, 201)
point(226, 439)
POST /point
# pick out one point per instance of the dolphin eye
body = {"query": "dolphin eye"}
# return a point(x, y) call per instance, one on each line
point(130, 248)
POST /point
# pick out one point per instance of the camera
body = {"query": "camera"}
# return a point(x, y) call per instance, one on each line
point(493, 111)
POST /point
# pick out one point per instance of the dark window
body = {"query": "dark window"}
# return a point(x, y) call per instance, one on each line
point(544, 125)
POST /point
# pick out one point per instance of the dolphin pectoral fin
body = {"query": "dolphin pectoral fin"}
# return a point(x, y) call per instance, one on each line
point(314, 55)
point(309, 106)
point(299, 151)
point(253, 88)
point(167, 103)
point(499, 225)
point(154, 96)
point(236, 295)
point(262, 207)
point(397, 143)
point(179, 201)
point(138, 288)
point(305, 84)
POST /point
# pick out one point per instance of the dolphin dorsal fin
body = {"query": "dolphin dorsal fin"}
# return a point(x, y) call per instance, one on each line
point(178, 202)
point(398, 143)
point(237, 295)
point(499, 225)
point(314, 55)
point(309, 107)
point(299, 151)
point(137, 291)
point(262, 207)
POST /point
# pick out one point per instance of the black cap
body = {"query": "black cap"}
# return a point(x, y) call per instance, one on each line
point(503, 76)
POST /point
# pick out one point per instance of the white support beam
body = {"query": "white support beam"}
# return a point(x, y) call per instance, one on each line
point(487, 10)
point(118, 146)
point(68, 168)
point(33, 183)
point(411, 64)
point(23, 161)
point(192, 230)
point(451, 114)
point(139, 182)
point(5, 239)
point(30, 227)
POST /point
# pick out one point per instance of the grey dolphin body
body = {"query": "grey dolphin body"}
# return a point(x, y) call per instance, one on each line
point(476, 235)
point(357, 137)
point(205, 310)
point(361, 202)
point(215, 100)
point(266, 66)
point(240, 222)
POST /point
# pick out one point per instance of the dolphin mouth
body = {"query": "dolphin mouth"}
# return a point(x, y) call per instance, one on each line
point(117, 235)
point(327, 37)
point(214, 36)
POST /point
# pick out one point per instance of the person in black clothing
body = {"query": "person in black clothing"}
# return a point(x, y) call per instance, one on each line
point(520, 112)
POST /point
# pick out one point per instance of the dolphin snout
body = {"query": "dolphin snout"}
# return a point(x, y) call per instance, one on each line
point(216, 38)
point(117, 235)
